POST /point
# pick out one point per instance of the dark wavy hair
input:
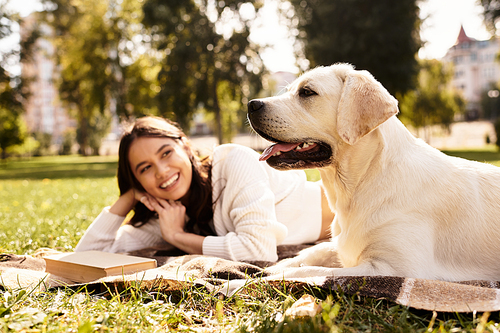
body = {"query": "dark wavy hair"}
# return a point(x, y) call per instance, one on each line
point(199, 208)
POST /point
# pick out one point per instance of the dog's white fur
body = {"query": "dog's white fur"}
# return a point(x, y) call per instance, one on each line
point(402, 208)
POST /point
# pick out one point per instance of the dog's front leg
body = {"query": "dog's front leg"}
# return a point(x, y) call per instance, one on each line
point(367, 268)
point(323, 254)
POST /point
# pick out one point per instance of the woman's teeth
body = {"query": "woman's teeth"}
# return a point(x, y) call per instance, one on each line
point(170, 181)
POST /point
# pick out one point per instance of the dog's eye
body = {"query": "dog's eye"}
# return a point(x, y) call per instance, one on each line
point(306, 92)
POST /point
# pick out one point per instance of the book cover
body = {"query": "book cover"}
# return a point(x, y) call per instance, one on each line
point(88, 266)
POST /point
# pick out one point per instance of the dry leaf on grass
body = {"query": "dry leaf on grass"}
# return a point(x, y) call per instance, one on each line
point(306, 306)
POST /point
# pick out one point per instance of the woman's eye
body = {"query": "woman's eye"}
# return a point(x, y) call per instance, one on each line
point(145, 169)
point(166, 153)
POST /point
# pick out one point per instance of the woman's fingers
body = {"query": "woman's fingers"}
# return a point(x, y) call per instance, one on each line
point(166, 203)
point(156, 204)
point(150, 202)
point(138, 194)
point(145, 202)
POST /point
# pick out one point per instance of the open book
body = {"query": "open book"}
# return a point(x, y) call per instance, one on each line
point(88, 266)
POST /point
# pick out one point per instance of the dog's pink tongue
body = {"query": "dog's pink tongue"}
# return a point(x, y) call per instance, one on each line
point(283, 147)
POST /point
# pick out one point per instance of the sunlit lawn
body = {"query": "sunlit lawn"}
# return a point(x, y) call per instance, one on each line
point(53, 167)
point(489, 154)
point(50, 201)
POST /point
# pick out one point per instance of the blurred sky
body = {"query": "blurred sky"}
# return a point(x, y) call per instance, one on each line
point(440, 29)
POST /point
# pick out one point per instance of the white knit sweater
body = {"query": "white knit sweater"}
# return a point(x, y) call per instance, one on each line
point(256, 208)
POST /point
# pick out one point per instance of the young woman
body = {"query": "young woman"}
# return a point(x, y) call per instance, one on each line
point(228, 205)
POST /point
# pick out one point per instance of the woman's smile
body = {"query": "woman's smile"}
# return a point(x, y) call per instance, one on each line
point(170, 181)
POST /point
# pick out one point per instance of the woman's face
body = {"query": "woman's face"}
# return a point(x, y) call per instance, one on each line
point(162, 166)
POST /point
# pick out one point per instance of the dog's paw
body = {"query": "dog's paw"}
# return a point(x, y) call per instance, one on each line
point(323, 255)
point(283, 265)
point(290, 262)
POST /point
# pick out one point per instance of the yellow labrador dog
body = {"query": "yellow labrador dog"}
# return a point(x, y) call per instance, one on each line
point(402, 207)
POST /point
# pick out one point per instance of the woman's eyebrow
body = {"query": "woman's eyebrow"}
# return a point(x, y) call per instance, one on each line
point(157, 152)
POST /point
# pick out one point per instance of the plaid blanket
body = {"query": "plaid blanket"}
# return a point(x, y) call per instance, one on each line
point(228, 277)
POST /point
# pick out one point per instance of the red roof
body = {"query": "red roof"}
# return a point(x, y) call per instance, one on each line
point(462, 37)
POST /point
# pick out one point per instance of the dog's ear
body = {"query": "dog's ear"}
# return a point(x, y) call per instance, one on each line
point(363, 106)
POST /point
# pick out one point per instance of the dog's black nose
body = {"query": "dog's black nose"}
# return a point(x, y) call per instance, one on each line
point(254, 105)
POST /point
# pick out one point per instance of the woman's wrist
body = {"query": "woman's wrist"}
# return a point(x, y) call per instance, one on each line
point(174, 237)
point(124, 204)
point(187, 242)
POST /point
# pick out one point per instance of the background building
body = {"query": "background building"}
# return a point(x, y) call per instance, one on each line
point(476, 69)
point(44, 112)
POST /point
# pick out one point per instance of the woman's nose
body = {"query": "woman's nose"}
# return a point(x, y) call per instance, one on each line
point(161, 169)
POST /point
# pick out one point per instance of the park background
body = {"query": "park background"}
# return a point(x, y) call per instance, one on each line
point(76, 71)
point(94, 64)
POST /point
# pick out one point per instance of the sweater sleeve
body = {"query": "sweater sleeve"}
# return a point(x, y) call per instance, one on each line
point(244, 216)
point(108, 234)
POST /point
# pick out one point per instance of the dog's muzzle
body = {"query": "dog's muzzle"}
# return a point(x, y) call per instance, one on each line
point(256, 116)
point(299, 153)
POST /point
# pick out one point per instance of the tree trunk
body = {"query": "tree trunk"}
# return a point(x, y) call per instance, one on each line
point(218, 120)
point(83, 130)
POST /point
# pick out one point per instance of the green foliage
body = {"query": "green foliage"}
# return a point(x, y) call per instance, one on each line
point(82, 53)
point(12, 88)
point(98, 126)
point(25, 149)
point(12, 130)
point(69, 138)
point(200, 57)
point(490, 104)
point(433, 101)
point(491, 13)
point(44, 143)
point(496, 124)
point(232, 113)
point(313, 175)
point(105, 62)
point(142, 88)
point(379, 36)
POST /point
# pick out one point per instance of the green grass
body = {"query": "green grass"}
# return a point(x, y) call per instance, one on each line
point(50, 201)
point(50, 212)
point(59, 167)
point(490, 154)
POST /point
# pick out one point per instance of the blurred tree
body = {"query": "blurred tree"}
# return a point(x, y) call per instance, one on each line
point(13, 90)
point(433, 101)
point(490, 102)
point(382, 37)
point(82, 49)
point(491, 14)
point(496, 126)
point(103, 63)
point(69, 139)
point(98, 127)
point(44, 143)
point(208, 55)
point(12, 130)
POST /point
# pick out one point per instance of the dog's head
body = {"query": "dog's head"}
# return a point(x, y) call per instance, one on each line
point(323, 108)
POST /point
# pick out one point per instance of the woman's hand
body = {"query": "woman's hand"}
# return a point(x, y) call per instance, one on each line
point(172, 216)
